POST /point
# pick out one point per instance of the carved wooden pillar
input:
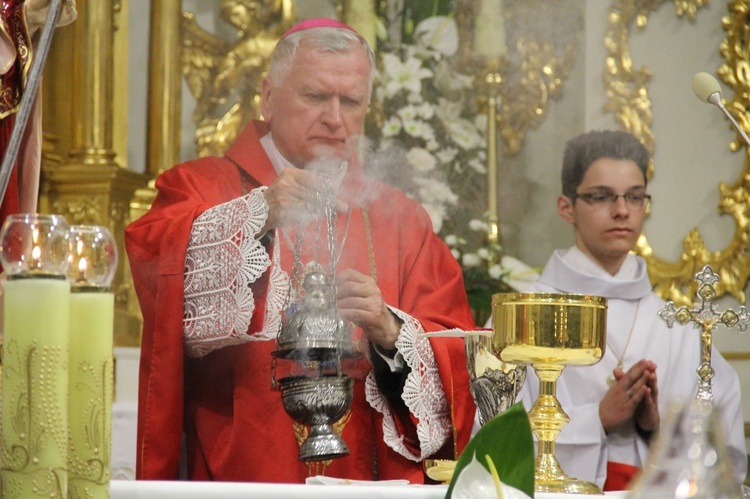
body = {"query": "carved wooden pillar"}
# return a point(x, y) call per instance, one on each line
point(81, 177)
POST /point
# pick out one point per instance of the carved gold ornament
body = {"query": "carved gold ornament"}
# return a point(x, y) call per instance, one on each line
point(628, 98)
point(224, 75)
point(543, 40)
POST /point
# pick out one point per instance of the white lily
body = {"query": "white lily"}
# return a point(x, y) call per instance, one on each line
point(439, 33)
point(400, 74)
point(520, 276)
point(475, 482)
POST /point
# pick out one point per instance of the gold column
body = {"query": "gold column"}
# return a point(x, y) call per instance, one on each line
point(81, 178)
point(164, 111)
point(164, 86)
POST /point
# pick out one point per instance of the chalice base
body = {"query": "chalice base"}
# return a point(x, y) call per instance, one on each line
point(550, 477)
point(322, 444)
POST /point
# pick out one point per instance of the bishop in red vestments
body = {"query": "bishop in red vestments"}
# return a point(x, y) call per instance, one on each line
point(212, 260)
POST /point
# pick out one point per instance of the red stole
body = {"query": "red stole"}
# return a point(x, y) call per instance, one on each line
point(619, 476)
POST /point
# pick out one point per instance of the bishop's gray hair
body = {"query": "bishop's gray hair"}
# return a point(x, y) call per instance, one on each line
point(326, 39)
point(585, 149)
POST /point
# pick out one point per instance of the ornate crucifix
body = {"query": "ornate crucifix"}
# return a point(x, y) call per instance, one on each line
point(705, 318)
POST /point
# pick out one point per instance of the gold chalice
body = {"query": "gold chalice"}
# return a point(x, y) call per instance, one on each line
point(550, 331)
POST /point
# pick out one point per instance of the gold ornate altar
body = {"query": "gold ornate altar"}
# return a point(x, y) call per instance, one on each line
point(89, 178)
point(628, 98)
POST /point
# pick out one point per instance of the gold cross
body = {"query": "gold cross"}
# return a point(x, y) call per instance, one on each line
point(705, 317)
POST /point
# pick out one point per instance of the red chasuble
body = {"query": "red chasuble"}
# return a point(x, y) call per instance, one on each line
point(234, 424)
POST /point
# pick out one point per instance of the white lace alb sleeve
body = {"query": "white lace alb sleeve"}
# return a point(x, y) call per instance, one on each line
point(223, 259)
point(423, 393)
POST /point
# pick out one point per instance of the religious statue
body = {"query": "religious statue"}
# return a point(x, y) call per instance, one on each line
point(21, 22)
point(222, 73)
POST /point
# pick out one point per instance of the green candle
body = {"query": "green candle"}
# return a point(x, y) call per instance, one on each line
point(34, 411)
point(91, 386)
point(93, 260)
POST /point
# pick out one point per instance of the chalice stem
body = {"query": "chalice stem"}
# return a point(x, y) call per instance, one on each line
point(547, 419)
point(547, 415)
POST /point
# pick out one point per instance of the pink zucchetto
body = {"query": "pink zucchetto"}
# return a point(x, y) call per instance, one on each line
point(318, 22)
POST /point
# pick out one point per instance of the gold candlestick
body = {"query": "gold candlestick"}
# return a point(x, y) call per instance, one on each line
point(482, 51)
point(491, 87)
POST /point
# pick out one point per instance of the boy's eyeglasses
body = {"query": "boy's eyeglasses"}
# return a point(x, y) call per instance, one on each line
point(632, 199)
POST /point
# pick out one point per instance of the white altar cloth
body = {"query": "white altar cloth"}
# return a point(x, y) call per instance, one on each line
point(126, 489)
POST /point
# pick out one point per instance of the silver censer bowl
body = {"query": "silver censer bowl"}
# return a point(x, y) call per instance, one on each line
point(318, 402)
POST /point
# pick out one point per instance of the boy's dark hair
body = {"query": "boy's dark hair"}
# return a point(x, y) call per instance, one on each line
point(583, 150)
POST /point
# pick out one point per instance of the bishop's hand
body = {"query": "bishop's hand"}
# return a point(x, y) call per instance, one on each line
point(633, 396)
point(289, 196)
point(360, 301)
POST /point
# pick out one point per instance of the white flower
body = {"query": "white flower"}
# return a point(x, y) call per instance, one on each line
point(434, 191)
point(475, 482)
point(432, 144)
point(438, 33)
point(464, 134)
point(470, 260)
point(447, 155)
point(408, 113)
point(479, 225)
point(421, 159)
point(456, 254)
point(426, 110)
point(480, 121)
point(414, 99)
point(417, 128)
point(428, 135)
point(495, 271)
point(448, 110)
point(436, 213)
point(403, 75)
point(478, 166)
point(448, 81)
point(483, 253)
point(451, 240)
point(392, 127)
point(521, 277)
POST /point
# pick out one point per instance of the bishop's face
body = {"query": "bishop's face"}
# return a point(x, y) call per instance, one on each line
point(318, 109)
point(607, 231)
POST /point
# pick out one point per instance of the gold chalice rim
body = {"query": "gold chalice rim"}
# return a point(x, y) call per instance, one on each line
point(569, 299)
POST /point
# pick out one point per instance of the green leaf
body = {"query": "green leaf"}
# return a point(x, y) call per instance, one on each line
point(507, 440)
